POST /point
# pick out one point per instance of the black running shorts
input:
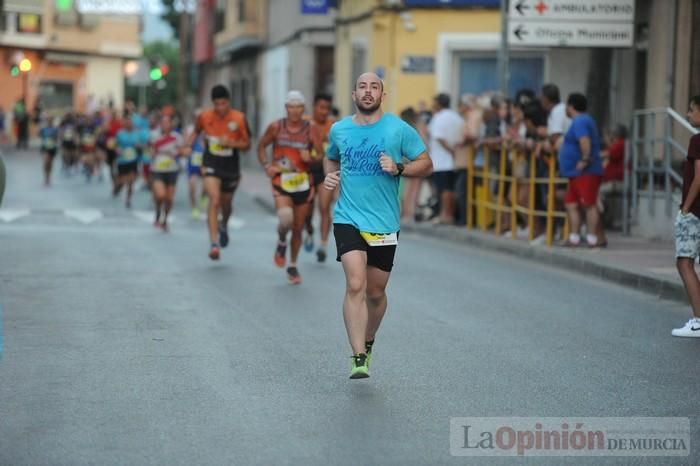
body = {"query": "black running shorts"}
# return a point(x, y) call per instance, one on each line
point(348, 238)
point(167, 178)
point(229, 180)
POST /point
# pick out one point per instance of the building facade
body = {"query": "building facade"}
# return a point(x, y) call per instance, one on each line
point(261, 50)
point(422, 47)
point(76, 58)
point(299, 55)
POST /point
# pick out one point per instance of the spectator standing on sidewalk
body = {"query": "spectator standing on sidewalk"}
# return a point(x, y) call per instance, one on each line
point(613, 172)
point(472, 117)
point(445, 131)
point(22, 123)
point(411, 186)
point(558, 121)
point(579, 161)
point(516, 138)
point(687, 226)
point(614, 156)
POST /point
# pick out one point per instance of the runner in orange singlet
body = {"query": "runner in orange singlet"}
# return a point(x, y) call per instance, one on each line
point(292, 185)
point(225, 133)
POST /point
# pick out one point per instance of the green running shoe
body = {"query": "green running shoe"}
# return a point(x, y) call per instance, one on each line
point(368, 350)
point(359, 368)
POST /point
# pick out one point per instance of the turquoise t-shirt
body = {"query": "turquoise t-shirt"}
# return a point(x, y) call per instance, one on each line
point(144, 139)
point(127, 146)
point(369, 198)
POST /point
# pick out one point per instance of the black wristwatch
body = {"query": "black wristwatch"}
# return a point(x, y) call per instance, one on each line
point(399, 167)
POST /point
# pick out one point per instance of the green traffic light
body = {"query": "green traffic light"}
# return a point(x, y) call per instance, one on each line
point(64, 5)
point(155, 74)
point(14, 71)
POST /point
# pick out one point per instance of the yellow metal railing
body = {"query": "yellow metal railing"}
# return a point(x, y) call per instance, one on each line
point(485, 204)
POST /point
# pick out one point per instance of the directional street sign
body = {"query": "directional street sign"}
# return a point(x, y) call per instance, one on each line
point(571, 23)
point(573, 10)
point(565, 34)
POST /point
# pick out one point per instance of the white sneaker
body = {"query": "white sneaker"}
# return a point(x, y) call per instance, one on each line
point(690, 329)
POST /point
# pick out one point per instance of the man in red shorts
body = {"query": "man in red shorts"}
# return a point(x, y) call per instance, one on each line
point(579, 161)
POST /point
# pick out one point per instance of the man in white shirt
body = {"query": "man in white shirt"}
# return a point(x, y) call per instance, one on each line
point(445, 129)
point(557, 121)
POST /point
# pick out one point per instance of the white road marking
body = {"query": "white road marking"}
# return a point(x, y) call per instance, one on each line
point(85, 216)
point(10, 215)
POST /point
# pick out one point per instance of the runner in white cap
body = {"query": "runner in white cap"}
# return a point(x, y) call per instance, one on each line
point(292, 140)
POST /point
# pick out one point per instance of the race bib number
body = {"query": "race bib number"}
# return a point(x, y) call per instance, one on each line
point(111, 143)
point(129, 154)
point(49, 143)
point(68, 135)
point(380, 239)
point(295, 182)
point(215, 148)
point(197, 158)
point(88, 140)
point(316, 155)
point(165, 164)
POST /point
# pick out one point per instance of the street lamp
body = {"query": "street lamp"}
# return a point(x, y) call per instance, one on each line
point(25, 65)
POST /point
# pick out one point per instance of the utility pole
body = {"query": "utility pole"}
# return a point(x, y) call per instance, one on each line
point(182, 66)
point(503, 52)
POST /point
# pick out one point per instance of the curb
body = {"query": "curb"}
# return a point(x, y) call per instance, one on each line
point(660, 287)
point(568, 260)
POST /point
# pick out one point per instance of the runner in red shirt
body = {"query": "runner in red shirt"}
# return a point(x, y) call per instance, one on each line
point(166, 147)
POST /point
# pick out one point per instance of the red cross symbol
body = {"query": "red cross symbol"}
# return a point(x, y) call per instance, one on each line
point(541, 7)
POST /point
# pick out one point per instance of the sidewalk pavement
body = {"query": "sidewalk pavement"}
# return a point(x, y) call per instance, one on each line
point(645, 265)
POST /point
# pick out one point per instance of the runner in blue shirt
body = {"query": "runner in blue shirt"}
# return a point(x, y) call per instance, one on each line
point(128, 146)
point(194, 177)
point(49, 145)
point(367, 154)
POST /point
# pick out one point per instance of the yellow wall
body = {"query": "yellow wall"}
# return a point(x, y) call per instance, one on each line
point(346, 35)
point(388, 41)
point(410, 88)
point(255, 24)
point(115, 35)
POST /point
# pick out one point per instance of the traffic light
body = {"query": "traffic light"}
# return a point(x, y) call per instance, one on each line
point(25, 65)
point(158, 72)
point(64, 5)
point(155, 74)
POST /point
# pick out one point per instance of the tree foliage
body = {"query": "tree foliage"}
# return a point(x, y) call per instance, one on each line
point(159, 53)
point(171, 15)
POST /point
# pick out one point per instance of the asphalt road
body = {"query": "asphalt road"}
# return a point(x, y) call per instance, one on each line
point(124, 345)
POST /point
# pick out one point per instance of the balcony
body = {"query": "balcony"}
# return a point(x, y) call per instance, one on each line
point(241, 27)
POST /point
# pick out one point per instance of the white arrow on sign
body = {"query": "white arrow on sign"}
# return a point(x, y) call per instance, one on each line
point(566, 34)
point(10, 215)
point(574, 10)
point(85, 216)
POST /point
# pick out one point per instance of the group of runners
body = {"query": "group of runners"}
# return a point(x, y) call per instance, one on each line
point(310, 161)
point(360, 158)
point(75, 136)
